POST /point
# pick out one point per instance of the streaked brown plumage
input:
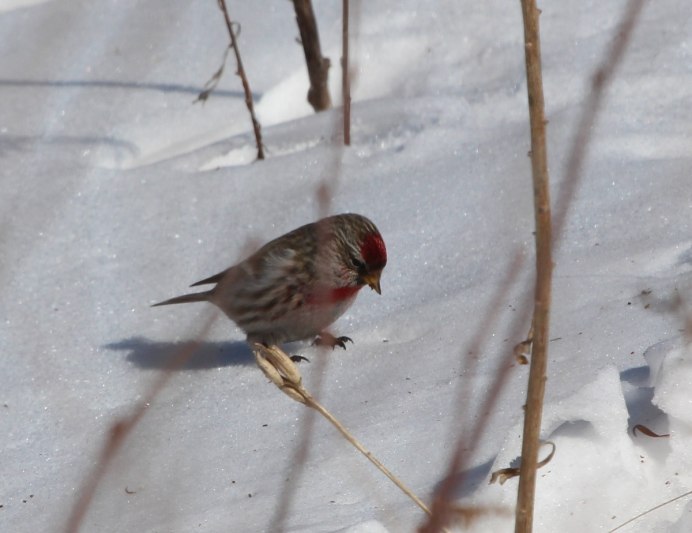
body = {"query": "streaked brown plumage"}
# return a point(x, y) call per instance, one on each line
point(295, 286)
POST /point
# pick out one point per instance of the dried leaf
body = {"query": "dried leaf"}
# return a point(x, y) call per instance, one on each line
point(502, 475)
point(211, 84)
point(521, 351)
point(646, 431)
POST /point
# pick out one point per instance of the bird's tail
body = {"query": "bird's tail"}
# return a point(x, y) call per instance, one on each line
point(187, 298)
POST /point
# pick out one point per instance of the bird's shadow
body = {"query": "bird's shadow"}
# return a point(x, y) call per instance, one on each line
point(151, 355)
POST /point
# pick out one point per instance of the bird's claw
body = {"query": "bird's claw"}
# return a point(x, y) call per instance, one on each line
point(327, 339)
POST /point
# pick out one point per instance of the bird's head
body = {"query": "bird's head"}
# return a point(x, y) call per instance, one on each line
point(364, 254)
point(370, 262)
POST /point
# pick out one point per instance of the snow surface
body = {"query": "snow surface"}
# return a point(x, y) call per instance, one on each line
point(117, 191)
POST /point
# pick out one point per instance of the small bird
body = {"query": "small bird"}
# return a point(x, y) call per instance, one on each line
point(295, 286)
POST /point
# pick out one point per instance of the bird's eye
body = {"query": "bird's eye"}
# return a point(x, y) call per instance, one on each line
point(357, 263)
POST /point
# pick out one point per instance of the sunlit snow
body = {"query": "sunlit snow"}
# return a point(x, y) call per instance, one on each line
point(118, 191)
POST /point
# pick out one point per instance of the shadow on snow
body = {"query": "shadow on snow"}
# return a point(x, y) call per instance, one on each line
point(151, 355)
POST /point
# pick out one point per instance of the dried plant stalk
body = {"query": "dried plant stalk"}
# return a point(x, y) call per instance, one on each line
point(243, 78)
point(544, 266)
point(648, 511)
point(282, 371)
point(345, 79)
point(318, 66)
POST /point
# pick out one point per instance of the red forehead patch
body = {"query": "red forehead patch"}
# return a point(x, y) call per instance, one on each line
point(374, 251)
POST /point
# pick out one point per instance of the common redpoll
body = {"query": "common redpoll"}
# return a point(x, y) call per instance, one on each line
point(298, 284)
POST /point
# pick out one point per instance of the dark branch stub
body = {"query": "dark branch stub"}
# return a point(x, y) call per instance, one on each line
point(318, 66)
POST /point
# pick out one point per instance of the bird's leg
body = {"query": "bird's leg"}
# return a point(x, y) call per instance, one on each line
point(327, 339)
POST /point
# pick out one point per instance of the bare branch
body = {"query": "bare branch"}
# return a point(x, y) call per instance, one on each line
point(318, 66)
point(243, 78)
point(345, 79)
point(544, 267)
point(282, 371)
point(601, 78)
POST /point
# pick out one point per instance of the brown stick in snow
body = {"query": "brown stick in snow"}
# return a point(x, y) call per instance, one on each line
point(544, 267)
point(243, 78)
point(345, 80)
point(318, 66)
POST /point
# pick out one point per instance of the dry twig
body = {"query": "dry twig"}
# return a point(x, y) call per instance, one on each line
point(345, 79)
point(635, 518)
point(601, 78)
point(318, 66)
point(544, 266)
point(243, 78)
point(281, 371)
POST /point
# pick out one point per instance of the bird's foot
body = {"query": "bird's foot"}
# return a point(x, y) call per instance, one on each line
point(327, 339)
point(299, 358)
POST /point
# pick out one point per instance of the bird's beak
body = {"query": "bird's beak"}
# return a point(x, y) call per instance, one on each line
point(373, 281)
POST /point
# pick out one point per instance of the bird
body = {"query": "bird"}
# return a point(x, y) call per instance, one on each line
point(295, 286)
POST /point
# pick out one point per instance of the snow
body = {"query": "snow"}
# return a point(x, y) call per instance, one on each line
point(118, 191)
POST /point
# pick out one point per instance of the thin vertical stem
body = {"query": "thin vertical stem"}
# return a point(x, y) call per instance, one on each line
point(243, 78)
point(544, 265)
point(345, 80)
point(318, 66)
